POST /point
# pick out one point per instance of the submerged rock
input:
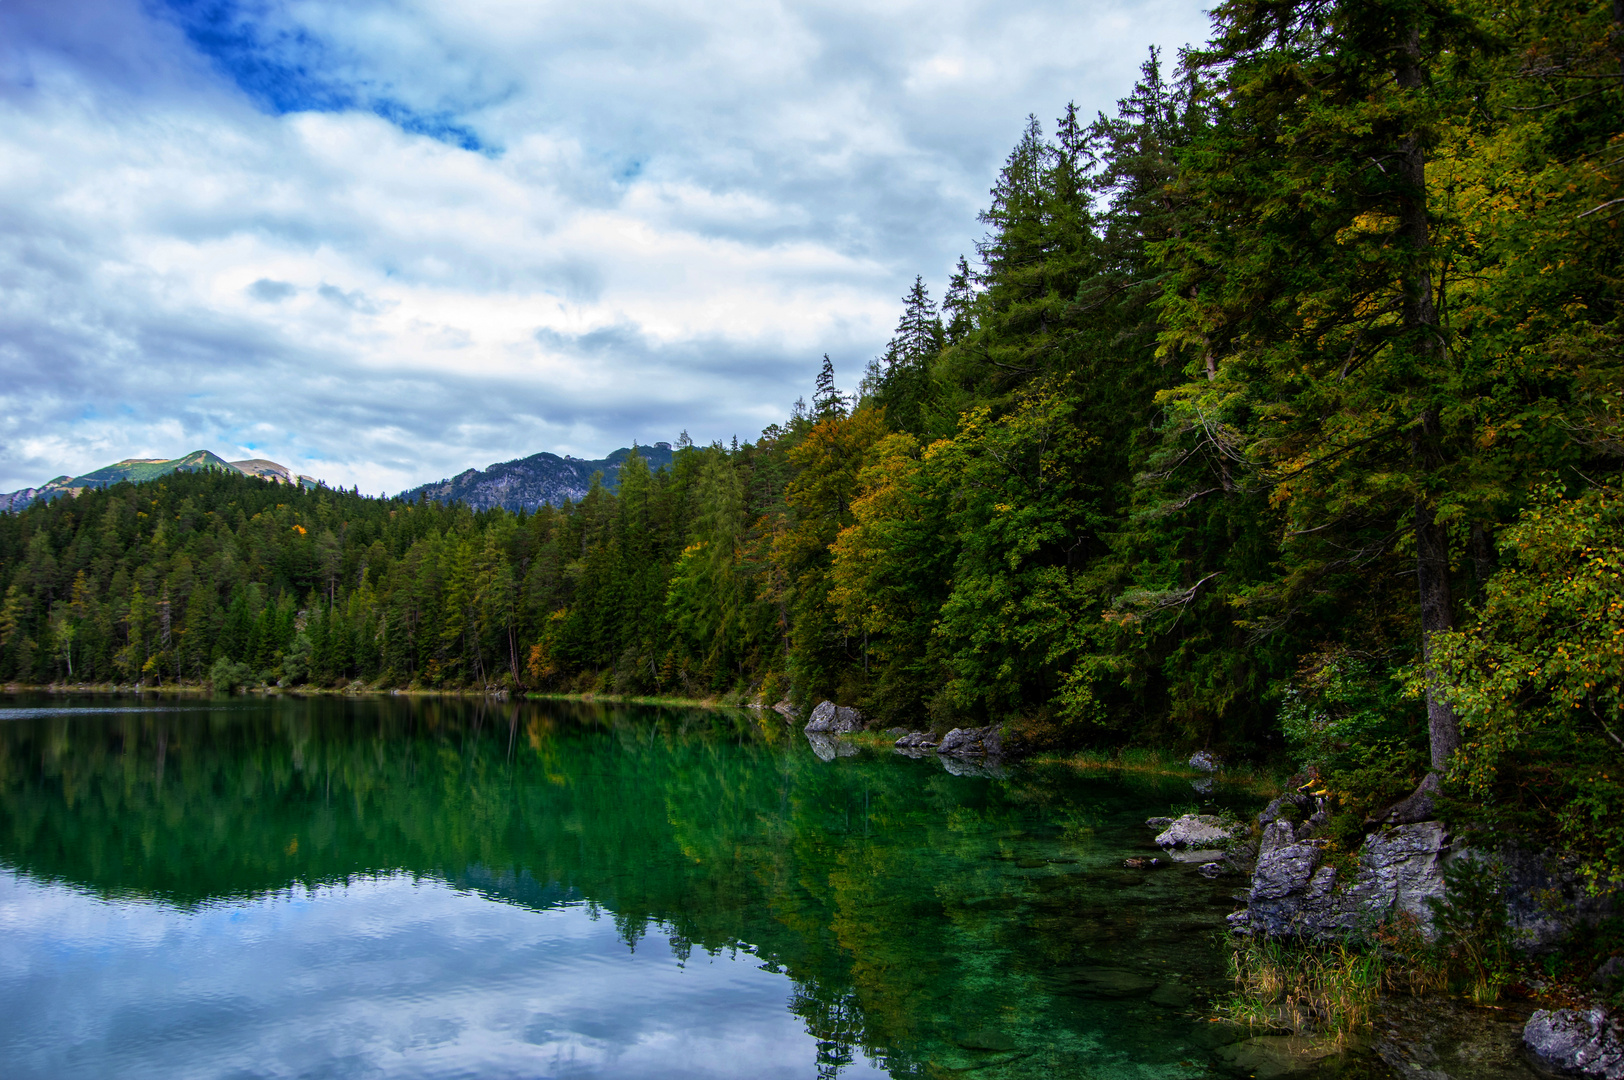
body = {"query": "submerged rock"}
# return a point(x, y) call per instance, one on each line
point(1195, 831)
point(1584, 1043)
point(1267, 1056)
point(831, 719)
point(1441, 1038)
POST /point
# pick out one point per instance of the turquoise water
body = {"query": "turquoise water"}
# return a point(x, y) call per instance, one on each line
point(387, 887)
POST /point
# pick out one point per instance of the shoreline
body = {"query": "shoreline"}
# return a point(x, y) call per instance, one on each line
point(205, 691)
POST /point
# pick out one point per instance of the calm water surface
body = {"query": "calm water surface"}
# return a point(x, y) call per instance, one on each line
point(387, 887)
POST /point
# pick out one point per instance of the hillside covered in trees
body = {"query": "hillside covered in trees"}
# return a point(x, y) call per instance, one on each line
point(1282, 405)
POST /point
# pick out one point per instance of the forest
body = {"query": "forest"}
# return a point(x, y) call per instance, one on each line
point(1280, 409)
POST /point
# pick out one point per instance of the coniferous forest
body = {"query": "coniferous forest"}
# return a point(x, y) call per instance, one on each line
point(1282, 408)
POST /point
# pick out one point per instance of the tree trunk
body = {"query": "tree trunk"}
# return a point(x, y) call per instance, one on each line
point(1420, 316)
point(1432, 573)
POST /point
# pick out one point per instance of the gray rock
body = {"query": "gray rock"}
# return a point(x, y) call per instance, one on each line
point(1205, 762)
point(894, 732)
point(1293, 895)
point(786, 710)
point(972, 742)
point(828, 747)
point(1580, 1042)
point(917, 740)
point(1158, 823)
point(1547, 898)
point(1195, 830)
point(1213, 869)
point(831, 719)
point(1291, 804)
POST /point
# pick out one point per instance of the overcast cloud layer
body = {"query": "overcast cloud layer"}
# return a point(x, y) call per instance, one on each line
point(384, 240)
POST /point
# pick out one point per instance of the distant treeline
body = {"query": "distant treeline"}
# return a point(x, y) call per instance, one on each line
point(1306, 356)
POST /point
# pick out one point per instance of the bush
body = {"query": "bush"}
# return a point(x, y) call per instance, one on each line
point(228, 676)
point(1538, 683)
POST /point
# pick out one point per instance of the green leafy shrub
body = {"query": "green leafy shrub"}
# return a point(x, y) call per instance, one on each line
point(1538, 683)
point(227, 676)
point(1346, 717)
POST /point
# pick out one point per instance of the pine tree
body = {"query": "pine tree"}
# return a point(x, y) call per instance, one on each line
point(827, 401)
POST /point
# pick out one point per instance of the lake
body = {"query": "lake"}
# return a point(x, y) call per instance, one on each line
point(418, 887)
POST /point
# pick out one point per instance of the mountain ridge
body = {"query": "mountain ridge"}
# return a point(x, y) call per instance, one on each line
point(529, 483)
point(138, 469)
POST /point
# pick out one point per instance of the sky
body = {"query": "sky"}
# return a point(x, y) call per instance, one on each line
point(383, 241)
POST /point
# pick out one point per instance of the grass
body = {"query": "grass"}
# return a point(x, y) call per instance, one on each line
point(1304, 988)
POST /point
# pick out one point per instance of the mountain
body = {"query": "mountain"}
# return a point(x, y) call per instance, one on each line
point(136, 469)
point(528, 483)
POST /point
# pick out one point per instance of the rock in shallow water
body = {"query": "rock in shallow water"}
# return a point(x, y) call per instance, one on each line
point(1276, 1055)
point(1196, 831)
point(977, 742)
point(1584, 1043)
point(831, 719)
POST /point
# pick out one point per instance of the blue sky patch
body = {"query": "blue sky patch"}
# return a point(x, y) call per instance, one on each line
point(288, 70)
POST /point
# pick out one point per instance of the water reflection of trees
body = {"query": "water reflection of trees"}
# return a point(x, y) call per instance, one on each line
point(881, 888)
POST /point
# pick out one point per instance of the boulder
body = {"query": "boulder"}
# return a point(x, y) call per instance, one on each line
point(1547, 898)
point(917, 740)
point(786, 710)
point(1204, 761)
point(1195, 831)
point(1158, 823)
point(1399, 869)
point(1580, 1042)
point(831, 719)
point(1293, 804)
point(972, 742)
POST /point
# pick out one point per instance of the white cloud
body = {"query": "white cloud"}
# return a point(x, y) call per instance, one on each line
point(676, 209)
